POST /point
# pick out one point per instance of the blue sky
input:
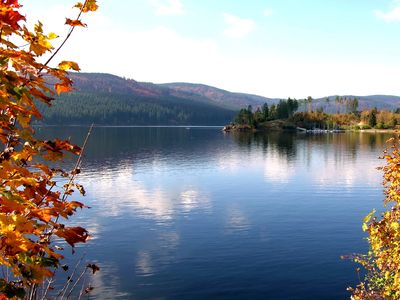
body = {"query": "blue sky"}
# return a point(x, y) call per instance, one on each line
point(274, 48)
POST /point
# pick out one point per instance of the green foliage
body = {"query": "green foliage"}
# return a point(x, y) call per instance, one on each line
point(381, 125)
point(283, 110)
point(244, 117)
point(82, 108)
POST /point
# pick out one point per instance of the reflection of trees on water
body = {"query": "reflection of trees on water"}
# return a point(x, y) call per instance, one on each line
point(292, 146)
point(124, 146)
point(336, 156)
point(110, 147)
point(281, 142)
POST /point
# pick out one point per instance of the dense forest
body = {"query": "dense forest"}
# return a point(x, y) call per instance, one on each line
point(80, 108)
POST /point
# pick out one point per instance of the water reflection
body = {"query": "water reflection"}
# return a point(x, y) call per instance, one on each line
point(106, 284)
point(277, 168)
point(237, 221)
point(197, 214)
point(144, 264)
point(148, 199)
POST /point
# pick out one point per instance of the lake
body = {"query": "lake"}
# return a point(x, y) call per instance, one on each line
point(193, 213)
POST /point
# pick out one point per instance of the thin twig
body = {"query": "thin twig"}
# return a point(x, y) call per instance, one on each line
point(65, 287)
point(76, 282)
point(46, 290)
point(79, 160)
point(82, 289)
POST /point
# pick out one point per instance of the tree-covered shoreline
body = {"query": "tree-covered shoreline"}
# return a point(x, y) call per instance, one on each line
point(286, 112)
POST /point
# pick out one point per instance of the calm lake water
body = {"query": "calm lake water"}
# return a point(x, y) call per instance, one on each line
point(195, 213)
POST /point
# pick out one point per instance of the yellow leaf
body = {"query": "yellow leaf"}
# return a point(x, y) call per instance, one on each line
point(90, 5)
point(52, 36)
point(395, 225)
point(68, 65)
point(368, 217)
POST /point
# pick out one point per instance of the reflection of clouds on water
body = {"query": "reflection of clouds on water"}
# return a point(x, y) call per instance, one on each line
point(119, 193)
point(158, 165)
point(94, 229)
point(191, 199)
point(330, 173)
point(158, 255)
point(336, 166)
point(153, 203)
point(277, 168)
point(144, 264)
point(229, 163)
point(237, 221)
point(234, 162)
point(106, 284)
point(169, 239)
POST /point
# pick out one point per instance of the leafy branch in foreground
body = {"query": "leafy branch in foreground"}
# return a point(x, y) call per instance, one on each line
point(32, 205)
point(382, 263)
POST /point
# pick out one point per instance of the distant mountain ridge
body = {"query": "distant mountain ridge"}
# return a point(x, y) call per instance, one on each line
point(99, 82)
point(205, 93)
point(219, 96)
point(111, 100)
point(388, 102)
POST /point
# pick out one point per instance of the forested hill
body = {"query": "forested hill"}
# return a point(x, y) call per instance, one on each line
point(111, 100)
point(218, 96)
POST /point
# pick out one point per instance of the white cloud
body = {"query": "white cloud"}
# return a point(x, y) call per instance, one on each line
point(391, 15)
point(161, 54)
point(167, 7)
point(238, 27)
point(268, 12)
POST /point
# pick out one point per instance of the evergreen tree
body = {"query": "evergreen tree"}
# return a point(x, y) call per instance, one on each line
point(372, 117)
point(272, 112)
point(265, 111)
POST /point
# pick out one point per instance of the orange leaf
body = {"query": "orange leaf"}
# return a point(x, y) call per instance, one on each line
point(74, 23)
point(44, 214)
point(62, 88)
point(40, 95)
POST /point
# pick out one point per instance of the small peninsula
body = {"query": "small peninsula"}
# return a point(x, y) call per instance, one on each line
point(292, 114)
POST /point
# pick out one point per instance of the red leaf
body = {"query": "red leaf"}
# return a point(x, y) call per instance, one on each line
point(73, 235)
